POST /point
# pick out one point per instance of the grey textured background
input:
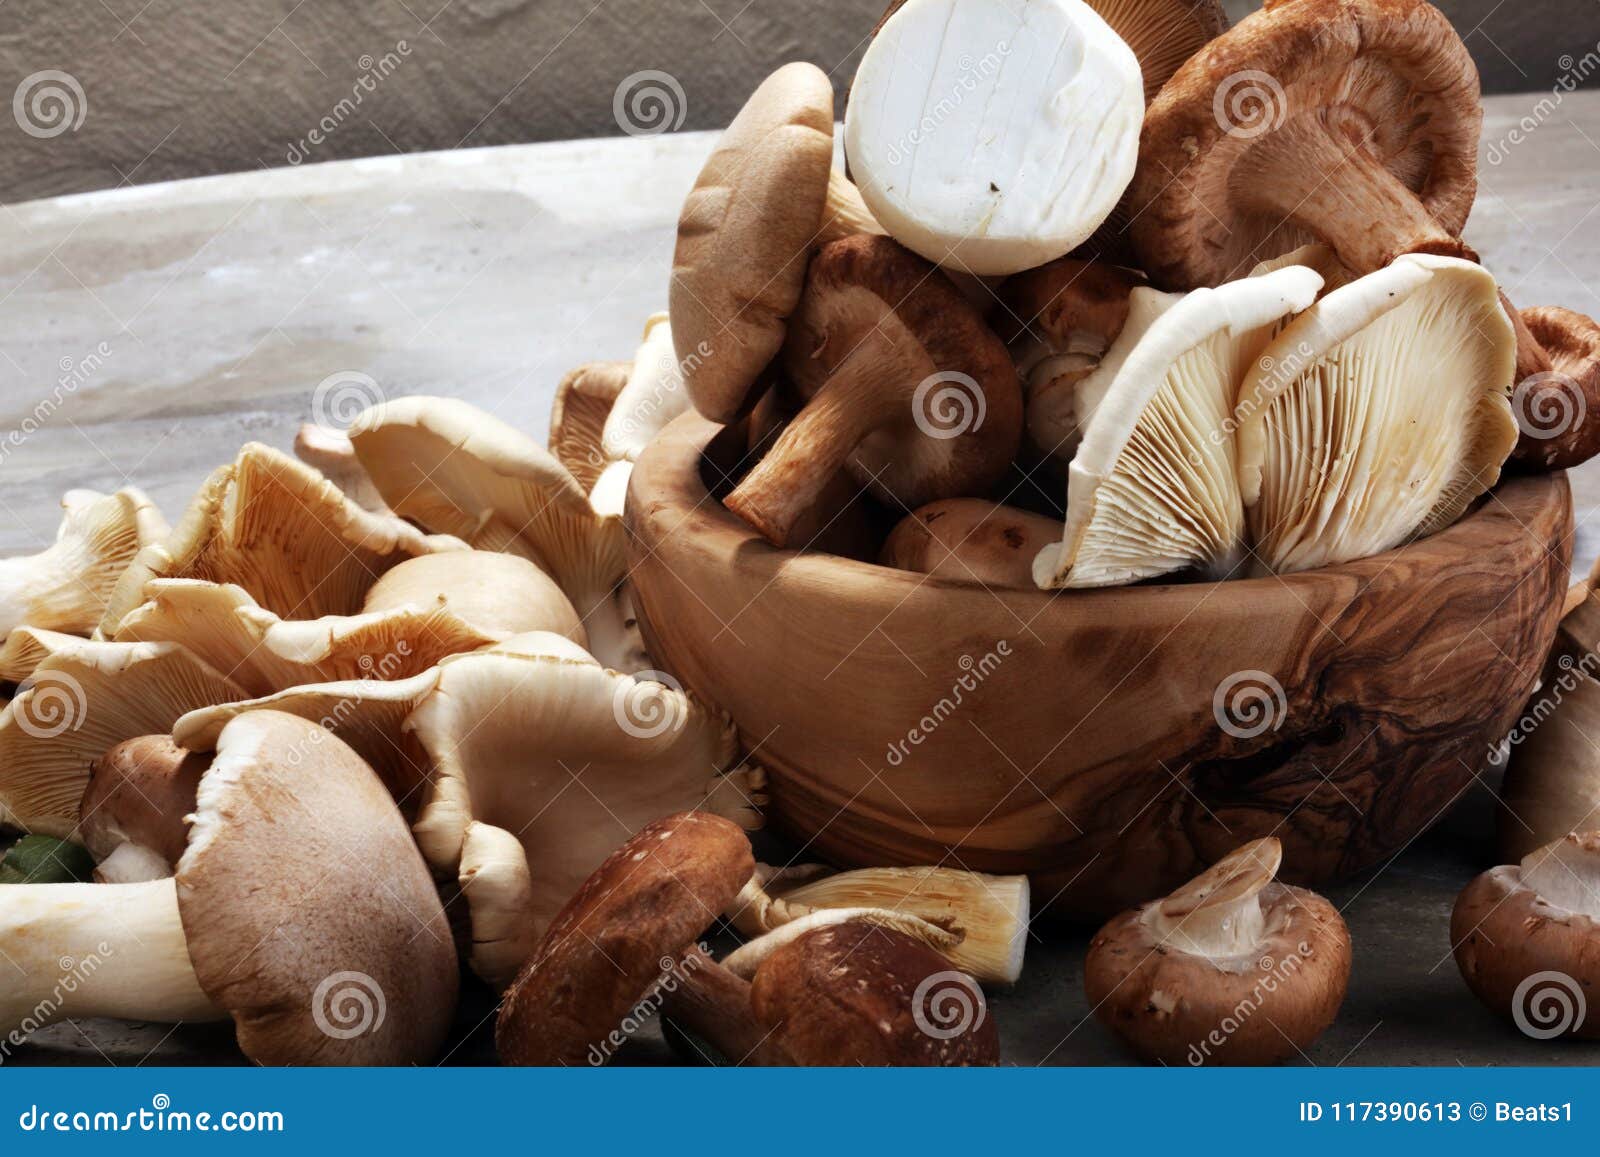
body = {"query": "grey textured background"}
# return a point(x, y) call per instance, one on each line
point(178, 88)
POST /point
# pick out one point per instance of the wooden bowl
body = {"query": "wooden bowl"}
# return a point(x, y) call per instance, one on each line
point(1101, 741)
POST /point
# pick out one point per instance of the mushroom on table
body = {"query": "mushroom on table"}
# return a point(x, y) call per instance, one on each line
point(970, 540)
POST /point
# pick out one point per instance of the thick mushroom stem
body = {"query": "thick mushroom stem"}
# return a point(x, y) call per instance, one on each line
point(1317, 172)
point(942, 935)
point(82, 950)
point(1567, 874)
point(790, 479)
point(703, 997)
point(1218, 914)
point(844, 213)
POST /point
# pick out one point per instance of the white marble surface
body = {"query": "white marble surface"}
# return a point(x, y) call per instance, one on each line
point(485, 274)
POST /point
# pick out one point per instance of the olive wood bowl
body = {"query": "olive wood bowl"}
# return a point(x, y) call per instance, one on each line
point(1089, 751)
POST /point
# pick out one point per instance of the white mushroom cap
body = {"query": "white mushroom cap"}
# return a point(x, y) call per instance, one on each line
point(1377, 415)
point(994, 137)
point(1154, 486)
point(65, 587)
point(653, 396)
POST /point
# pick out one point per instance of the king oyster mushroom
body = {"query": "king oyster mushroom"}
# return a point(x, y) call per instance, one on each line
point(1154, 487)
point(459, 471)
point(905, 386)
point(1527, 938)
point(369, 975)
point(1377, 415)
point(766, 197)
point(1232, 968)
point(66, 586)
point(993, 138)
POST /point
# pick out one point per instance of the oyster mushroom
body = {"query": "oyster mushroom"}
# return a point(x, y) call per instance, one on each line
point(131, 818)
point(1377, 415)
point(653, 396)
point(993, 138)
point(905, 385)
point(26, 647)
point(282, 532)
point(459, 471)
point(1557, 398)
point(79, 703)
point(1527, 938)
point(66, 586)
point(1350, 121)
point(970, 540)
point(1065, 316)
point(330, 453)
point(369, 977)
point(1232, 968)
point(765, 198)
point(1154, 487)
point(578, 415)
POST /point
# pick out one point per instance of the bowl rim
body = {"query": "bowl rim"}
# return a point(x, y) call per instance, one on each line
point(669, 469)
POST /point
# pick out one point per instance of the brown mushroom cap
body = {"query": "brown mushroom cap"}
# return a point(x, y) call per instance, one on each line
point(745, 232)
point(618, 935)
point(908, 388)
point(1558, 407)
point(861, 994)
point(1527, 939)
point(1352, 121)
point(139, 793)
point(970, 540)
point(1067, 302)
point(578, 417)
point(1269, 994)
point(308, 912)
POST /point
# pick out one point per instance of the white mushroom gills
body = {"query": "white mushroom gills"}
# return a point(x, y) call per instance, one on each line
point(1566, 874)
point(83, 950)
point(1218, 914)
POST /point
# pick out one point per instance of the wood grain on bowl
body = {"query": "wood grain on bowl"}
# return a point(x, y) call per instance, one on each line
point(1109, 743)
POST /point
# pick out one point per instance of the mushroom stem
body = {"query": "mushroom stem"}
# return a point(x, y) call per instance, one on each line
point(706, 999)
point(1566, 874)
point(1218, 914)
point(790, 479)
point(942, 935)
point(82, 950)
point(1318, 173)
point(844, 213)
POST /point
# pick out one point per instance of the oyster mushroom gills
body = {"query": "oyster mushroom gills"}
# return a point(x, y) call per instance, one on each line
point(1233, 968)
point(905, 386)
point(1027, 154)
point(201, 946)
point(1527, 938)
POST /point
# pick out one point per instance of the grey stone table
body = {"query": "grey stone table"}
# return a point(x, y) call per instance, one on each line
point(145, 333)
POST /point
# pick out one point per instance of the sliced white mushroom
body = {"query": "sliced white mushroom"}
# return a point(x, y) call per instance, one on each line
point(1154, 487)
point(1376, 416)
